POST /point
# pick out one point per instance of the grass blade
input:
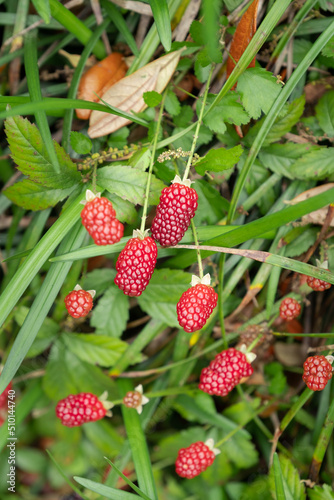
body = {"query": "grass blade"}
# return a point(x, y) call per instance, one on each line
point(62, 473)
point(162, 21)
point(116, 17)
point(322, 444)
point(105, 491)
point(138, 444)
point(279, 486)
point(130, 483)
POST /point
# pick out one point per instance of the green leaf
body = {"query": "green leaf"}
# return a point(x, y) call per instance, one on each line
point(32, 196)
point(172, 104)
point(32, 158)
point(105, 491)
point(80, 143)
point(95, 349)
point(125, 210)
point(197, 33)
point(293, 489)
point(328, 49)
point(129, 183)
point(321, 493)
point(111, 314)
point(140, 159)
point(213, 205)
point(152, 98)
point(267, 91)
point(99, 280)
point(43, 9)
point(302, 242)
point(324, 113)
point(202, 73)
point(162, 20)
point(280, 157)
point(57, 381)
point(316, 165)
point(229, 110)
point(217, 160)
point(162, 294)
point(278, 492)
point(184, 117)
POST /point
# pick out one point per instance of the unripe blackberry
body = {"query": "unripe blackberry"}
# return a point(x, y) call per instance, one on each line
point(317, 372)
point(195, 459)
point(135, 264)
point(99, 218)
point(135, 399)
point(289, 309)
point(225, 372)
point(196, 304)
point(177, 206)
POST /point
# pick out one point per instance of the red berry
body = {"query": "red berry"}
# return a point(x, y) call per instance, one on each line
point(225, 372)
point(317, 372)
point(177, 206)
point(99, 218)
point(193, 460)
point(80, 408)
point(79, 302)
point(195, 307)
point(289, 309)
point(4, 396)
point(135, 265)
point(317, 285)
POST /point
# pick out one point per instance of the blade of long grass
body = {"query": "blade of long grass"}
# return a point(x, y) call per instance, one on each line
point(105, 491)
point(322, 444)
point(37, 257)
point(162, 21)
point(127, 480)
point(67, 124)
point(116, 17)
point(290, 415)
point(40, 307)
point(138, 444)
point(32, 73)
point(54, 103)
point(64, 476)
point(279, 486)
point(73, 24)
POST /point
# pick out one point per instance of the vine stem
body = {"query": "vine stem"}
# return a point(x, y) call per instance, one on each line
point(94, 174)
point(198, 126)
point(154, 148)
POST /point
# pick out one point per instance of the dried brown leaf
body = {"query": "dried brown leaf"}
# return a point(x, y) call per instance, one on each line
point(127, 94)
point(318, 216)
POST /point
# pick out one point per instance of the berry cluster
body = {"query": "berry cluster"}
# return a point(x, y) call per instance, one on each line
point(196, 304)
point(78, 409)
point(99, 218)
point(195, 459)
point(177, 206)
point(225, 372)
point(317, 372)
point(289, 309)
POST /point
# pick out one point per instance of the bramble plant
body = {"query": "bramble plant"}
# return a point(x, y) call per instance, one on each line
point(166, 230)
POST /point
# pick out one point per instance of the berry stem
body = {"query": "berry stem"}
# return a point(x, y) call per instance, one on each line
point(255, 341)
point(94, 174)
point(154, 147)
point(198, 252)
point(172, 391)
point(198, 126)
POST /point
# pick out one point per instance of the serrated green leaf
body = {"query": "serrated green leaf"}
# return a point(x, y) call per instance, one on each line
point(229, 110)
point(80, 143)
point(302, 243)
point(31, 196)
point(293, 488)
point(172, 104)
point(321, 493)
point(152, 98)
point(328, 49)
point(99, 280)
point(217, 160)
point(129, 183)
point(280, 157)
point(162, 294)
point(202, 72)
point(197, 33)
point(111, 314)
point(32, 158)
point(267, 91)
point(140, 159)
point(95, 349)
point(324, 113)
point(185, 117)
point(125, 210)
point(315, 165)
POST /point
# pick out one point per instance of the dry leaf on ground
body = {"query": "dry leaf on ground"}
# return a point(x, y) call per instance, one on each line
point(318, 216)
point(127, 94)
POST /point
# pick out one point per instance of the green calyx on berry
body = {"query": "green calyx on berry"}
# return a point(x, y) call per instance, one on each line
point(90, 196)
point(177, 180)
point(92, 293)
point(137, 233)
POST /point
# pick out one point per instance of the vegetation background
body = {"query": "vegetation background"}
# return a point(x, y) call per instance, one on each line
point(255, 140)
